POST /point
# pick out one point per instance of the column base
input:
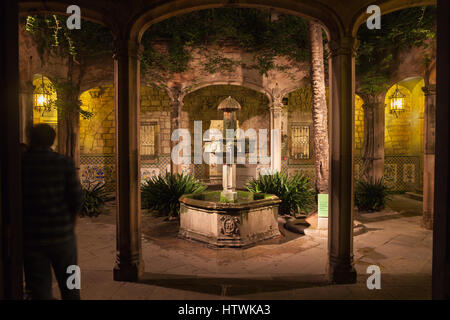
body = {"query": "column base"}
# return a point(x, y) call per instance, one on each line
point(427, 220)
point(128, 271)
point(341, 273)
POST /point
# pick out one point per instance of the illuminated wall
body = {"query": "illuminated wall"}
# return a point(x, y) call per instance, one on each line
point(97, 134)
point(404, 136)
point(201, 105)
point(359, 126)
point(49, 117)
point(299, 109)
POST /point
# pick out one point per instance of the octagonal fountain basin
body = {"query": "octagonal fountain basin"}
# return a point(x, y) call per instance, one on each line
point(210, 218)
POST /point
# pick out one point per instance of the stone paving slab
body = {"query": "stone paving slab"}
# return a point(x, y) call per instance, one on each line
point(290, 269)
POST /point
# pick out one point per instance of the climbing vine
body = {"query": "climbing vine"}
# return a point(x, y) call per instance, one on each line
point(379, 49)
point(54, 39)
point(252, 30)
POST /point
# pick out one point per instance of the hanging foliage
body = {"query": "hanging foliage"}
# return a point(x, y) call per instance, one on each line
point(52, 36)
point(251, 29)
point(379, 48)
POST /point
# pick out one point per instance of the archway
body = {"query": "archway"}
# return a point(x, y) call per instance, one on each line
point(201, 105)
point(404, 137)
point(343, 78)
point(44, 108)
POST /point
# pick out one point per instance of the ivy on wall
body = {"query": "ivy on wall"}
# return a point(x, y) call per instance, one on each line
point(260, 32)
point(378, 49)
point(52, 36)
point(202, 104)
point(251, 29)
point(54, 39)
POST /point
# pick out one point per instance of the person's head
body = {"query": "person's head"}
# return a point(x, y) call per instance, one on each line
point(42, 135)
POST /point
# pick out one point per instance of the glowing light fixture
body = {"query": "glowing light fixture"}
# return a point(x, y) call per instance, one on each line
point(397, 102)
point(42, 97)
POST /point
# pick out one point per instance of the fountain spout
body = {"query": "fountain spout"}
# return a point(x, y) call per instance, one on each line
point(229, 106)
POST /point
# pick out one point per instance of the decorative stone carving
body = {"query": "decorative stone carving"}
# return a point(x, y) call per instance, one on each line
point(230, 226)
point(346, 46)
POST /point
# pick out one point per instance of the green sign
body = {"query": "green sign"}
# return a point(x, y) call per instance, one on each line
point(322, 205)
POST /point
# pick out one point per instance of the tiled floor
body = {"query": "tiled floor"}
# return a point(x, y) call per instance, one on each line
point(179, 269)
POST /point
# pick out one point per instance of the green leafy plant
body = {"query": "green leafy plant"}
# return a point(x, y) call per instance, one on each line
point(250, 29)
point(371, 195)
point(378, 50)
point(161, 193)
point(94, 198)
point(295, 193)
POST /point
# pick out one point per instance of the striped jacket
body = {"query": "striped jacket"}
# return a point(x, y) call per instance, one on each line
point(52, 197)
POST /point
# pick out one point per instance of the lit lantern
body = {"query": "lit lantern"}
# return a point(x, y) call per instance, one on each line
point(42, 98)
point(397, 101)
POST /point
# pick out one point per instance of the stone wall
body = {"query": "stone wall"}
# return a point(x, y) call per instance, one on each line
point(299, 111)
point(97, 134)
point(404, 136)
point(359, 126)
point(201, 105)
point(404, 133)
point(155, 107)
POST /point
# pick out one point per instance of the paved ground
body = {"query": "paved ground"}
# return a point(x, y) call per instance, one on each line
point(290, 268)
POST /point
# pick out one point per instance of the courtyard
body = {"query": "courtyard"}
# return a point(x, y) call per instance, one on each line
point(290, 269)
point(233, 150)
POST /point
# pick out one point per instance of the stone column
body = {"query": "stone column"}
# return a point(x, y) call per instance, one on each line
point(11, 261)
point(26, 110)
point(373, 149)
point(129, 264)
point(428, 158)
point(176, 106)
point(340, 240)
point(276, 113)
point(441, 227)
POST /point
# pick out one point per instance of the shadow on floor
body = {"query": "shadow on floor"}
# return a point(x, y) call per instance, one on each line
point(398, 207)
point(393, 286)
point(159, 228)
point(233, 286)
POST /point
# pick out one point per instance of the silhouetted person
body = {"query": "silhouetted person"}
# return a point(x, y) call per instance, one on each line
point(52, 198)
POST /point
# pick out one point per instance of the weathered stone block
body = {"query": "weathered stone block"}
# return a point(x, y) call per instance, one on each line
point(229, 224)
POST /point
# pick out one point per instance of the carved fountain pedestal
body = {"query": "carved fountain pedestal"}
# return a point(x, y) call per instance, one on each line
point(204, 218)
point(229, 218)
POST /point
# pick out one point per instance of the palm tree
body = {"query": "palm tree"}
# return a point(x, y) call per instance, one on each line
point(319, 108)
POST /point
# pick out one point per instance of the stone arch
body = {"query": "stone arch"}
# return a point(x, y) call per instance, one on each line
point(32, 115)
point(89, 13)
point(404, 137)
point(386, 7)
point(97, 133)
point(306, 9)
point(237, 83)
point(227, 88)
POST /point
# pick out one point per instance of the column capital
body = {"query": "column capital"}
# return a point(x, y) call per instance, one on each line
point(429, 90)
point(343, 46)
point(276, 107)
point(176, 95)
point(127, 48)
point(372, 105)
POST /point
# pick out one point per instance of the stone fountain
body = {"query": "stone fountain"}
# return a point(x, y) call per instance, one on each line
point(229, 218)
